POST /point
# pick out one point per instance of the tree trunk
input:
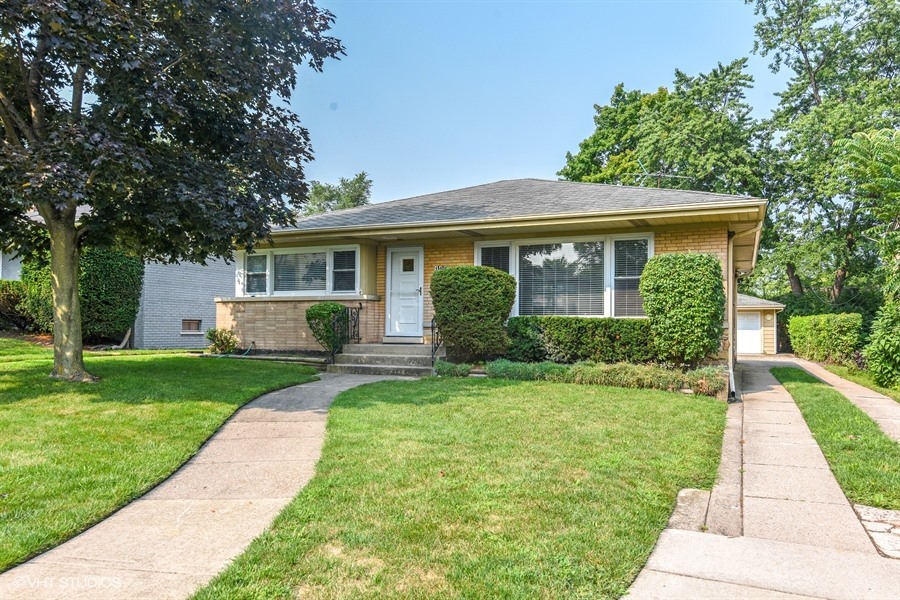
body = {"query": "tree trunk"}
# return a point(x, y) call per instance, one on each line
point(68, 359)
point(840, 276)
point(794, 279)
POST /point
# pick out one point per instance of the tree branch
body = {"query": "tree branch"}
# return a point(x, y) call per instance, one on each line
point(16, 117)
point(10, 128)
point(32, 86)
point(78, 89)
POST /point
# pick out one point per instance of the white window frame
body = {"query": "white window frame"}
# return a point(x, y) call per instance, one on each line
point(329, 251)
point(608, 262)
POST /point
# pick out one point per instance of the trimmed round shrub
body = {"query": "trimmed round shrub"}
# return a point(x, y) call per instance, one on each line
point(826, 338)
point(109, 290)
point(471, 305)
point(684, 300)
point(319, 317)
point(221, 341)
point(883, 352)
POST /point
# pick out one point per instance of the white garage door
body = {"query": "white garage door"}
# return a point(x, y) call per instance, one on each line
point(749, 335)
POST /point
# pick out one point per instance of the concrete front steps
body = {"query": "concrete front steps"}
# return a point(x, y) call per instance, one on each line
point(408, 360)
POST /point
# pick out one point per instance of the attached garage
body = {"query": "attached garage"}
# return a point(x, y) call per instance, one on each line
point(756, 320)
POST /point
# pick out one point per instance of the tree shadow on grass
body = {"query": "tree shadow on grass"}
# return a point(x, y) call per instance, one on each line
point(794, 375)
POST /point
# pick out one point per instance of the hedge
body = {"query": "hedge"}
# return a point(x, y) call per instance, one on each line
point(109, 289)
point(574, 339)
point(684, 300)
point(707, 381)
point(471, 305)
point(883, 352)
point(826, 338)
point(11, 315)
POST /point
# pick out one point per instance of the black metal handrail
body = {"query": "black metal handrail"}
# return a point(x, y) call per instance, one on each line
point(436, 341)
point(345, 329)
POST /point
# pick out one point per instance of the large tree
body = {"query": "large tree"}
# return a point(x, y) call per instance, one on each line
point(347, 193)
point(843, 59)
point(160, 125)
point(697, 136)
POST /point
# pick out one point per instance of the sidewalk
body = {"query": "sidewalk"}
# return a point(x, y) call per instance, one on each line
point(785, 528)
point(186, 530)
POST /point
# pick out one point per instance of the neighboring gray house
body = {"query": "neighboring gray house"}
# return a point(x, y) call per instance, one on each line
point(10, 266)
point(177, 301)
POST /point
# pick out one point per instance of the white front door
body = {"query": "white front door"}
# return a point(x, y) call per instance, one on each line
point(404, 302)
point(749, 333)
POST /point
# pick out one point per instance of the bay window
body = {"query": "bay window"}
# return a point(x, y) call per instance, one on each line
point(591, 278)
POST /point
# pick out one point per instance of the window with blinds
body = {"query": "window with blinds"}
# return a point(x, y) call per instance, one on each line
point(495, 256)
point(343, 271)
point(300, 272)
point(630, 256)
point(255, 274)
point(561, 279)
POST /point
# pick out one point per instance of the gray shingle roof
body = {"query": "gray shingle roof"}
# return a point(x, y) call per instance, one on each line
point(745, 301)
point(511, 199)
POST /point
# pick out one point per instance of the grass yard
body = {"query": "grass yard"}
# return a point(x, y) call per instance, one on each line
point(472, 488)
point(70, 454)
point(864, 460)
point(862, 378)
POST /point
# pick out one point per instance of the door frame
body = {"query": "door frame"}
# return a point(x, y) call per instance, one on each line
point(388, 262)
point(759, 320)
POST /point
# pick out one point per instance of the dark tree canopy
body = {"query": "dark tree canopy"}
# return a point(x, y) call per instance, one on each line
point(163, 124)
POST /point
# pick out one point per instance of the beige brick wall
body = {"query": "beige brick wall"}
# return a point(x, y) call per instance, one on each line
point(445, 254)
point(280, 324)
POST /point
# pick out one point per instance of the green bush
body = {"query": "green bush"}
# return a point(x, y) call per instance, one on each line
point(443, 368)
point(471, 305)
point(574, 339)
point(883, 352)
point(708, 381)
point(221, 341)
point(826, 338)
point(109, 290)
point(320, 317)
point(11, 316)
point(507, 369)
point(684, 300)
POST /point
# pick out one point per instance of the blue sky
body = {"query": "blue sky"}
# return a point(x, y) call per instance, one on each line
point(438, 95)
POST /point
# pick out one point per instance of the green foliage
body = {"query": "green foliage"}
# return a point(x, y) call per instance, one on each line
point(442, 368)
point(707, 381)
point(109, 290)
point(685, 304)
point(573, 339)
point(221, 341)
point(471, 305)
point(883, 351)
point(520, 371)
point(826, 338)
point(700, 131)
point(349, 193)
point(11, 316)
point(319, 318)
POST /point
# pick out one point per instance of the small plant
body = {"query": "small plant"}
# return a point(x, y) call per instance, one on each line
point(320, 319)
point(685, 302)
point(221, 341)
point(471, 305)
point(443, 368)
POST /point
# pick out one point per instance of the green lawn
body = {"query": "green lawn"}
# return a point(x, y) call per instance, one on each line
point(472, 488)
point(864, 460)
point(862, 378)
point(70, 454)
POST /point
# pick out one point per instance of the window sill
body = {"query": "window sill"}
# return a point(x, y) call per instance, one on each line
point(191, 333)
point(330, 297)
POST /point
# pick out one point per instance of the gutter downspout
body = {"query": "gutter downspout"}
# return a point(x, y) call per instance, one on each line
point(732, 300)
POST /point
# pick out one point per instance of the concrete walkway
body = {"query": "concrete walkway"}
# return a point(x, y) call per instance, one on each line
point(785, 528)
point(186, 530)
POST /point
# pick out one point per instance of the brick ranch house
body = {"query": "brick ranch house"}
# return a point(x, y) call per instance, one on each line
point(575, 249)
